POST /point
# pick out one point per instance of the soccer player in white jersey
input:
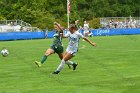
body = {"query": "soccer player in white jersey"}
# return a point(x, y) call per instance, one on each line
point(72, 48)
point(86, 28)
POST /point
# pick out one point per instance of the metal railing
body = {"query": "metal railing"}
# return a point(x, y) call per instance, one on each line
point(120, 22)
point(16, 25)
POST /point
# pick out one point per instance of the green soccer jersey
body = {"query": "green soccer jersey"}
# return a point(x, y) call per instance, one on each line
point(57, 39)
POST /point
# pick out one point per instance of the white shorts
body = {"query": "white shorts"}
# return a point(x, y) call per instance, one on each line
point(72, 50)
point(86, 31)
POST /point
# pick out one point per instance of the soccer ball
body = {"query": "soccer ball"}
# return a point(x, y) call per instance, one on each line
point(4, 52)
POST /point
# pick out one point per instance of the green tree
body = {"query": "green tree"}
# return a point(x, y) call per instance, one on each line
point(42, 13)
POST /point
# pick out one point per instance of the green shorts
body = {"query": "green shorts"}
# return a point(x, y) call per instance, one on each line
point(57, 49)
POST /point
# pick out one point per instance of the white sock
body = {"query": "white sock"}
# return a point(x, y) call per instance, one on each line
point(60, 67)
point(69, 62)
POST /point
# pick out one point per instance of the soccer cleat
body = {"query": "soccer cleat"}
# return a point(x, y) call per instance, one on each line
point(55, 72)
point(74, 65)
point(38, 63)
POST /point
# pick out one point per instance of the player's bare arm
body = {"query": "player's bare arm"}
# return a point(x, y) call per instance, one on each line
point(86, 39)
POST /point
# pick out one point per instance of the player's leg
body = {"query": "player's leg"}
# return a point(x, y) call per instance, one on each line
point(70, 63)
point(84, 34)
point(61, 57)
point(47, 53)
point(73, 52)
point(59, 50)
point(66, 57)
point(74, 64)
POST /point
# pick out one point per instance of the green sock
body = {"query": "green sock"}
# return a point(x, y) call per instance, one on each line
point(43, 59)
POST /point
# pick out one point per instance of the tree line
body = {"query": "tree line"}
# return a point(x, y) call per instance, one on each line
point(42, 13)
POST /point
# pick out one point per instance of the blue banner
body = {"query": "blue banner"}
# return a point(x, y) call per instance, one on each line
point(21, 35)
point(110, 32)
point(49, 34)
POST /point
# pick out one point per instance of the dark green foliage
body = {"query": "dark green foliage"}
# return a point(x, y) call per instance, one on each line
point(42, 13)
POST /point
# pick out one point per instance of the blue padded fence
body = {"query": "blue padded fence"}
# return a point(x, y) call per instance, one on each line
point(39, 35)
point(50, 34)
point(110, 32)
point(21, 35)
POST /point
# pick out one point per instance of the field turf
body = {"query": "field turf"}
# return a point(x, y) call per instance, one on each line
point(112, 67)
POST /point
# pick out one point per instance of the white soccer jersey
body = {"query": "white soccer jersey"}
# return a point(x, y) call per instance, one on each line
point(74, 41)
point(86, 26)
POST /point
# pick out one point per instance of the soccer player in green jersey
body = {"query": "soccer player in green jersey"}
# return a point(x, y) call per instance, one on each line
point(56, 47)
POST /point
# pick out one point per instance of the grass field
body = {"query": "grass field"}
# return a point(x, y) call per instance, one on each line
point(112, 67)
